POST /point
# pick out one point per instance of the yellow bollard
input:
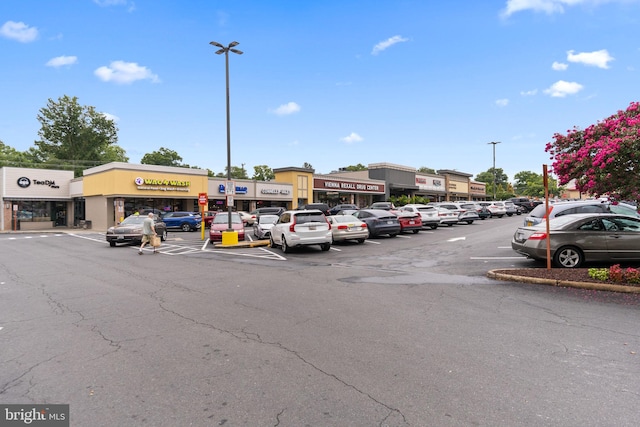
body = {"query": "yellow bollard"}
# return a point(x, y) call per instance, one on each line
point(230, 237)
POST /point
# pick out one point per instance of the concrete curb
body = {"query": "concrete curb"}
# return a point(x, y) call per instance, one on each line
point(564, 283)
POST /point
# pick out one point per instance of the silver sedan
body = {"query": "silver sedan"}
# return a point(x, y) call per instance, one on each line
point(578, 238)
point(348, 227)
point(263, 224)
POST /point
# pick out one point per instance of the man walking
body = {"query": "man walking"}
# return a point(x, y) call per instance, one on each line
point(148, 230)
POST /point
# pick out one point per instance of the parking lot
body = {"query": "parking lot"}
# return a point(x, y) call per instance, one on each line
point(463, 248)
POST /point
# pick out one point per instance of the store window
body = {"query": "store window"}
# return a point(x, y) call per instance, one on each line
point(36, 211)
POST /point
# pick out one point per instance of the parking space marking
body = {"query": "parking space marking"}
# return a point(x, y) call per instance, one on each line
point(496, 257)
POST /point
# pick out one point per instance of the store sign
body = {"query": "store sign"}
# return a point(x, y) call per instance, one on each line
point(155, 184)
point(275, 191)
point(24, 182)
point(239, 190)
point(363, 187)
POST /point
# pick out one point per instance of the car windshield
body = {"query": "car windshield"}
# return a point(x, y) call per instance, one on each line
point(133, 220)
point(223, 218)
point(267, 219)
point(309, 217)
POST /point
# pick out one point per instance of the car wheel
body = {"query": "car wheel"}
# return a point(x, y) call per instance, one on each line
point(469, 222)
point(185, 227)
point(450, 225)
point(163, 236)
point(285, 247)
point(272, 244)
point(325, 246)
point(500, 216)
point(433, 227)
point(568, 257)
point(393, 234)
point(360, 240)
point(416, 231)
point(112, 244)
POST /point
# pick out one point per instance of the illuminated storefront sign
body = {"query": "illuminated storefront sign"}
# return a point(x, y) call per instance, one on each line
point(275, 191)
point(347, 186)
point(162, 184)
point(239, 189)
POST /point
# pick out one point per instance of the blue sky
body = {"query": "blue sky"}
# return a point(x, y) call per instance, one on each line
point(331, 83)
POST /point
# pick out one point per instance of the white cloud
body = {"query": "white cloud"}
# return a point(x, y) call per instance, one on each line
point(124, 73)
point(559, 66)
point(560, 89)
point(387, 43)
point(502, 102)
point(19, 31)
point(60, 61)
point(548, 6)
point(286, 109)
point(351, 138)
point(598, 58)
point(529, 92)
point(111, 117)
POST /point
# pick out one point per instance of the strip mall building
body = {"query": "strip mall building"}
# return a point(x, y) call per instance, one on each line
point(36, 199)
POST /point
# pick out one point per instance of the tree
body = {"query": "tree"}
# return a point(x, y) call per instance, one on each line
point(424, 169)
point(76, 136)
point(263, 173)
point(9, 156)
point(236, 173)
point(162, 157)
point(358, 167)
point(603, 158)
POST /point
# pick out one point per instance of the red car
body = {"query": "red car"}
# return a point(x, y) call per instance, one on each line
point(409, 221)
point(220, 223)
point(208, 217)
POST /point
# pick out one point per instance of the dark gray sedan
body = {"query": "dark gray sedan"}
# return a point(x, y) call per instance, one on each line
point(578, 238)
point(379, 222)
point(130, 230)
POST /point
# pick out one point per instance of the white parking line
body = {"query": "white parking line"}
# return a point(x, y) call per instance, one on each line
point(497, 257)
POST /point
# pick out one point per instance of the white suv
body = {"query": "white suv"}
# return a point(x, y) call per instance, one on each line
point(429, 214)
point(301, 228)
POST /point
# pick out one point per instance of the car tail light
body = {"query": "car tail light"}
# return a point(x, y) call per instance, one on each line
point(342, 227)
point(538, 235)
point(364, 225)
point(292, 227)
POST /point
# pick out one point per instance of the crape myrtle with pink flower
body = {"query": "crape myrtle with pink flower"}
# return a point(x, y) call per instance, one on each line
point(604, 158)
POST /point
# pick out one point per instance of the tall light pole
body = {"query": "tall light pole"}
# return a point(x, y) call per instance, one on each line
point(494, 143)
point(226, 50)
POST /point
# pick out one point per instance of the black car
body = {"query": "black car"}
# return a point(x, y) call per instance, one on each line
point(524, 203)
point(323, 207)
point(379, 222)
point(337, 208)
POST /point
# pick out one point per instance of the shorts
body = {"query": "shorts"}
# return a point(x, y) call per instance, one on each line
point(146, 238)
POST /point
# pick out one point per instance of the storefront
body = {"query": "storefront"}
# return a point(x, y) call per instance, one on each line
point(34, 199)
point(249, 194)
point(116, 190)
point(334, 190)
point(431, 187)
point(457, 184)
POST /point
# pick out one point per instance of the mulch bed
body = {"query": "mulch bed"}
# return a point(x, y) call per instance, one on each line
point(565, 274)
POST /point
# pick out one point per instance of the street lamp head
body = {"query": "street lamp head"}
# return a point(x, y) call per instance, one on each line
point(239, 52)
point(216, 44)
point(233, 44)
point(220, 52)
point(494, 142)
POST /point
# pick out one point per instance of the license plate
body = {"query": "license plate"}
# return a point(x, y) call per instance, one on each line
point(412, 222)
point(120, 237)
point(312, 227)
point(389, 222)
point(529, 223)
